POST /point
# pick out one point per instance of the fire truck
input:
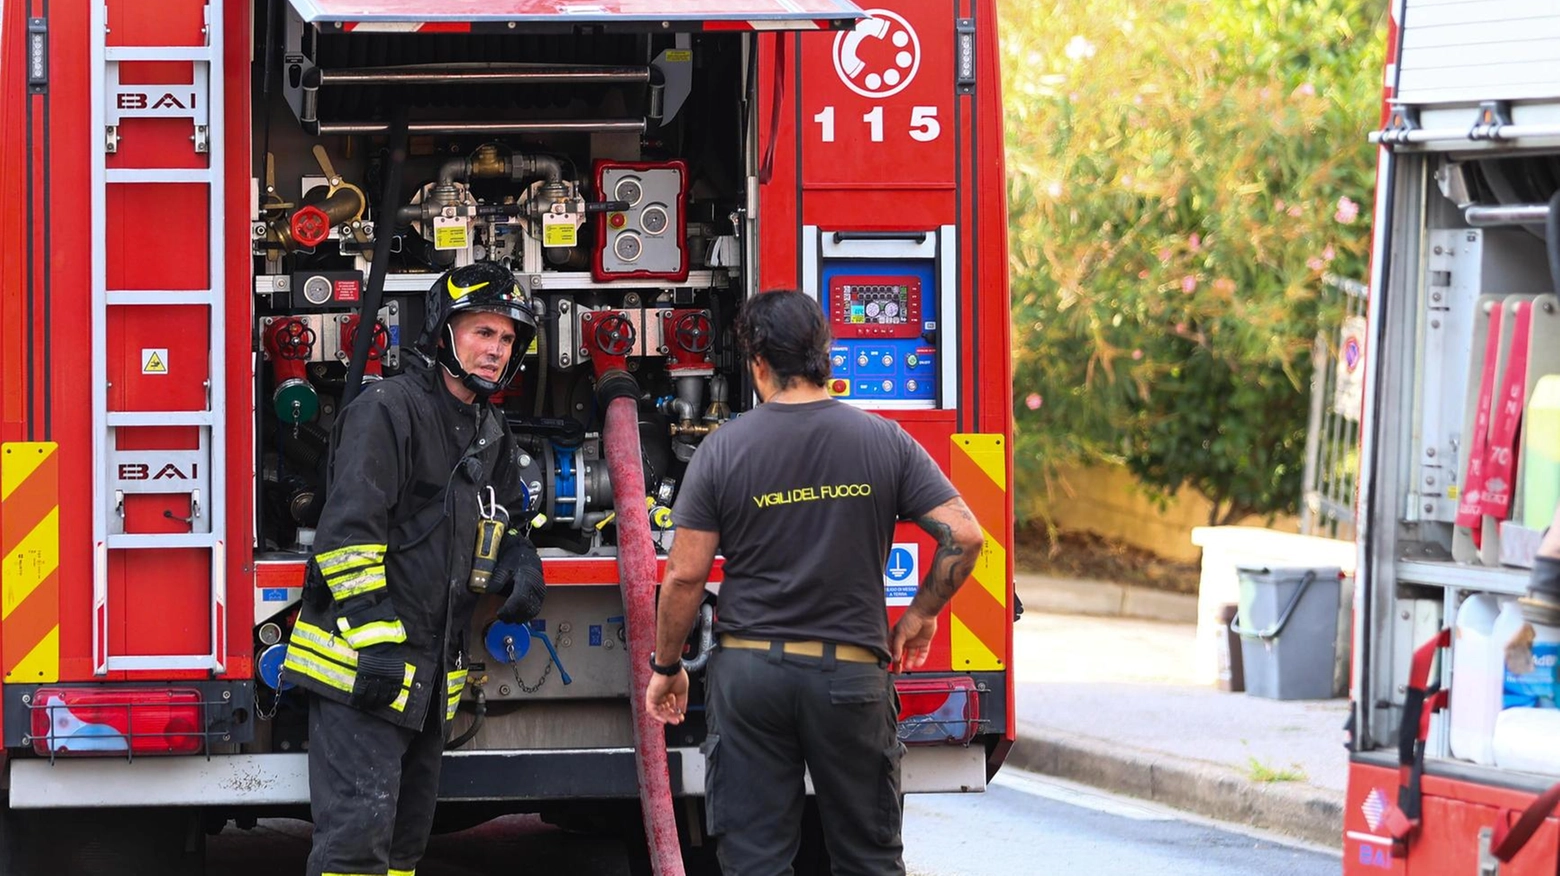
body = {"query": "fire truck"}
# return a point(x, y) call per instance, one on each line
point(220, 219)
point(1452, 745)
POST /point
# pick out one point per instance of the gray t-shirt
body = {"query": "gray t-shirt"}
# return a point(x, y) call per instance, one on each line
point(805, 498)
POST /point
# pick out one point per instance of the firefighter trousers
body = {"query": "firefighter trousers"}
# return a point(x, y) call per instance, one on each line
point(372, 789)
point(770, 715)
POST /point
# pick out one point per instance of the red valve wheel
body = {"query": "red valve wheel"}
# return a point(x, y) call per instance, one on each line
point(615, 335)
point(310, 226)
point(294, 339)
point(692, 333)
point(376, 345)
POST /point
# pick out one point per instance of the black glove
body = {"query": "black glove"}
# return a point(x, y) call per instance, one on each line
point(517, 576)
point(380, 674)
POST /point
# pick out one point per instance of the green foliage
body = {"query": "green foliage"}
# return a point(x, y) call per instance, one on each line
point(1181, 176)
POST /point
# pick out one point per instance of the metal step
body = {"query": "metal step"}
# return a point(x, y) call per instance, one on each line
point(163, 540)
point(128, 297)
point(158, 53)
point(159, 418)
point(155, 175)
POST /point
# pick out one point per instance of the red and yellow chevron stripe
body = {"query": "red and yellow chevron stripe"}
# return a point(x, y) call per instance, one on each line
point(30, 543)
point(980, 610)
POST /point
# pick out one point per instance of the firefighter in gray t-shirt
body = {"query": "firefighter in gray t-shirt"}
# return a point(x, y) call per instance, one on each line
point(800, 496)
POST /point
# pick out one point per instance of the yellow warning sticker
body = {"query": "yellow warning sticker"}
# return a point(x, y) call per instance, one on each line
point(558, 230)
point(450, 233)
point(154, 361)
point(679, 56)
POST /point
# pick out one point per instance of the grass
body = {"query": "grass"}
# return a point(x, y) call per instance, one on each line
point(1257, 771)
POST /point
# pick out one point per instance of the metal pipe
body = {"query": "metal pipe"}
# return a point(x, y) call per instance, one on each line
point(560, 126)
point(1506, 214)
point(1475, 134)
point(483, 74)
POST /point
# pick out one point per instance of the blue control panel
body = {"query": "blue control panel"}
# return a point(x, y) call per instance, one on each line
point(883, 314)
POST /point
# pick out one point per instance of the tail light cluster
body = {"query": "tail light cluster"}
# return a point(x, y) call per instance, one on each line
point(938, 711)
point(117, 722)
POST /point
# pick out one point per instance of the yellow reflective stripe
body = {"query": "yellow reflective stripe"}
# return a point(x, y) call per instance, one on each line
point(402, 873)
point(373, 633)
point(334, 562)
point(366, 580)
point(324, 643)
point(454, 685)
point(406, 689)
point(323, 671)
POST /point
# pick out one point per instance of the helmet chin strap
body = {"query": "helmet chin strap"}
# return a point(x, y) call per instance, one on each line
point(449, 360)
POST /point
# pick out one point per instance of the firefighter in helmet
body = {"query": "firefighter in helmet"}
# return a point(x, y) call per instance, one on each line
point(418, 460)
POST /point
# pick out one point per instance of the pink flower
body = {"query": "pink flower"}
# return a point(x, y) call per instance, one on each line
point(1295, 212)
point(1164, 255)
point(1347, 211)
point(1224, 286)
point(1306, 89)
point(1315, 263)
point(1137, 355)
point(1189, 284)
point(1033, 401)
point(1195, 242)
point(1328, 254)
point(1279, 205)
point(1143, 274)
point(1180, 328)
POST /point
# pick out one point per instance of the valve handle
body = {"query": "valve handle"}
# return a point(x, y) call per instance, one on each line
point(615, 335)
point(692, 333)
point(294, 339)
point(310, 225)
point(379, 342)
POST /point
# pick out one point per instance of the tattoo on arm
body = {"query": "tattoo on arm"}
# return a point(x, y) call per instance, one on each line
point(951, 564)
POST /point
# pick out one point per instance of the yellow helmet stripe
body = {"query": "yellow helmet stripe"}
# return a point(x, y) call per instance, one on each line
point(459, 292)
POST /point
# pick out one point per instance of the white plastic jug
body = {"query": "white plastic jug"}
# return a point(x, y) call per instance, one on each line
point(1478, 677)
point(1525, 740)
point(1529, 653)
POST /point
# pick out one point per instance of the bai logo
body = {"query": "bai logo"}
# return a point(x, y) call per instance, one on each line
point(880, 56)
point(140, 471)
point(143, 100)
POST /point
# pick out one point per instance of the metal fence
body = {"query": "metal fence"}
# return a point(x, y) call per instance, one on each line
point(1333, 431)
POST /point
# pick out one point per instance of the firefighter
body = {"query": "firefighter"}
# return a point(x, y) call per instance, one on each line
point(380, 642)
point(801, 675)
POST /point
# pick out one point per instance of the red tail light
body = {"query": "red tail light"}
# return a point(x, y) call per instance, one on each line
point(937, 711)
point(117, 721)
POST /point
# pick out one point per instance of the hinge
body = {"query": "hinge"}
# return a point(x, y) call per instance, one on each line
point(1401, 121)
point(1492, 115)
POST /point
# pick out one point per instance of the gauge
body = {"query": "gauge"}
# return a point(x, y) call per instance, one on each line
point(316, 290)
point(628, 246)
point(628, 189)
point(873, 309)
point(891, 309)
point(654, 219)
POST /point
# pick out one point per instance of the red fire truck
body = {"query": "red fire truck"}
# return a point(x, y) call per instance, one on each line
point(1454, 741)
point(220, 217)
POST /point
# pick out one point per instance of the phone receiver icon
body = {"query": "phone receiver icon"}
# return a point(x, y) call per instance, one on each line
point(877, 28)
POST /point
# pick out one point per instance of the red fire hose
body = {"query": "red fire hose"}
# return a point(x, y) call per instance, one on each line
point(611, 336)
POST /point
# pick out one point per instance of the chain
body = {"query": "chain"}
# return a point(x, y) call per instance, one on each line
point(276, 699)
point(514, 665)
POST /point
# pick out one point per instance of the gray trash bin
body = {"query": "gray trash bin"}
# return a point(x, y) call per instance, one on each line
point(1288, 627)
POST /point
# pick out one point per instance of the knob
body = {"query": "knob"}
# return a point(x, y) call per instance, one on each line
point(888, 360)
point(912, 360)
point(888, 386)
point(839, 361)
point(910, 386)
point(862, 360)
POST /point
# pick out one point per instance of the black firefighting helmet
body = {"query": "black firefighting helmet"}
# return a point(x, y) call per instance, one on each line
point(481, 286)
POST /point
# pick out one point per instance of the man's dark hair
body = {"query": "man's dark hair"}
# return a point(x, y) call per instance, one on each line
point(786, 329)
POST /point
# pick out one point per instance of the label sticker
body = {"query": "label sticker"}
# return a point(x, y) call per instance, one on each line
point(450, 233)
point(273, 594)
point(902, 574)
point(154, 361)
point(558, 230)
point(595, 635)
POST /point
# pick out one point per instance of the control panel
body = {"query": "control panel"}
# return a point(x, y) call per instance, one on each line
point(645, 238)
point(883, 315)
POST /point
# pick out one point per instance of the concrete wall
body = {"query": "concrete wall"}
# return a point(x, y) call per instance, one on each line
point(1107, 500)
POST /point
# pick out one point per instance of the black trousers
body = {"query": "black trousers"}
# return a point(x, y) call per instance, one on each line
point(372, 788)
point(771, 714)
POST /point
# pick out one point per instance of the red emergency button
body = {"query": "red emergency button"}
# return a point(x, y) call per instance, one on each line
point(839, 387)
point(617, 220)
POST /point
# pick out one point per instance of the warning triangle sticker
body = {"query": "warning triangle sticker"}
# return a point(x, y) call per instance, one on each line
point(153, 362)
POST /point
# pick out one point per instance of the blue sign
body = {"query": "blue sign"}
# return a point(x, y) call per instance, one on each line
point(273, 594)
point(900, 564)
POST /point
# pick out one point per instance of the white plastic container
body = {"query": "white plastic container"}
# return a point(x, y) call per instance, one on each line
point(1478, 677)
point(1525, 740)
point(1529, 653)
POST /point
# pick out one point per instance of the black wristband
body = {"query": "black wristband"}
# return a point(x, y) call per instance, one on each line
point(658, 669)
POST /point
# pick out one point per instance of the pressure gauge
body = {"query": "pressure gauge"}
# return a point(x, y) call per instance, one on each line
point(316, 290)
point(654, 219)
point(628, 189)
point(628, 246)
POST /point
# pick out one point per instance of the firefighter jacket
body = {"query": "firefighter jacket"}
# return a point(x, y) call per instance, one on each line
point(394, 546)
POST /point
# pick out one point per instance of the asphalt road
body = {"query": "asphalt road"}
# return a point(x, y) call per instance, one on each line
point(1022, 825)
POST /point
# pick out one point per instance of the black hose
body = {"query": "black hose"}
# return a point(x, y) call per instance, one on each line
point(373, 292)
point(1552, 241)
point(476, 721)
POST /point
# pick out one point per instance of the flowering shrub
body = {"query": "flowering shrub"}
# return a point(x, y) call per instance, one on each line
point(1181, 175)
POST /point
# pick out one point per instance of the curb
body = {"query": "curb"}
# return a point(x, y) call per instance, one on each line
point(1103, 599)
point(1207, 789)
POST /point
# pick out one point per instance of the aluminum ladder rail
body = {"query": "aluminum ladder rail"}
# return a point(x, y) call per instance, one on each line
point(207, 490)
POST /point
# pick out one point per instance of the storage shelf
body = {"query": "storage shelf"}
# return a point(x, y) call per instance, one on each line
point(1492, 579)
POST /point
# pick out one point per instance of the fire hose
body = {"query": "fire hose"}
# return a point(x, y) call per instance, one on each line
point(611, 340)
